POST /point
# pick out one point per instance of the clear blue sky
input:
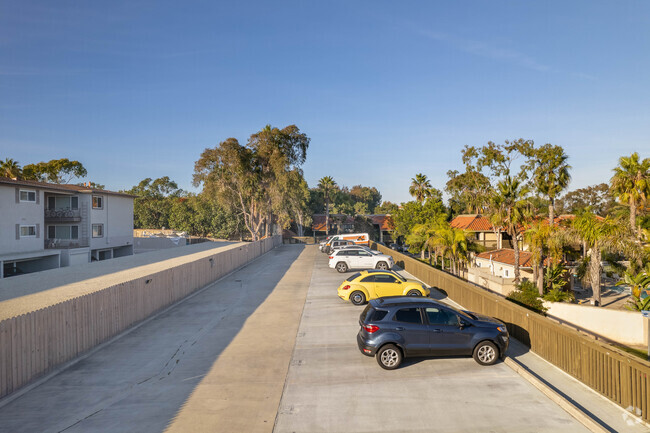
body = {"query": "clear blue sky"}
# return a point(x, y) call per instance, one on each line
point(385, 89)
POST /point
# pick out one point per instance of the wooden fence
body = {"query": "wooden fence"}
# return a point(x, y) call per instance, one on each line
point(35, 343)
point(617, 375)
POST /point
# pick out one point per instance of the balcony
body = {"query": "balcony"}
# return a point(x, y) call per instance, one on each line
point(60, 244)
point(64, 215)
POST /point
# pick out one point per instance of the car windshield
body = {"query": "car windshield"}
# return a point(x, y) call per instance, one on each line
point(466, 314)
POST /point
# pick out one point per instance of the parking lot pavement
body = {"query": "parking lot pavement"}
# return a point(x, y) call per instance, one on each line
point(215, 362)
point(331, 386)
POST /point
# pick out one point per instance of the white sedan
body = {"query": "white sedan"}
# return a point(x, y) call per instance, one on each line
point(345, 259)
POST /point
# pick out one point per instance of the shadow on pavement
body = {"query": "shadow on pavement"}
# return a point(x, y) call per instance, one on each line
point(142, 380)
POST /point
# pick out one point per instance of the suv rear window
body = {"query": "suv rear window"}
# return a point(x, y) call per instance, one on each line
point(372, 315)
point(353, 276)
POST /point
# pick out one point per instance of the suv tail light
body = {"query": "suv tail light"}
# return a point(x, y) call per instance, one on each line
point(370, 328)
point(346, 287)
point(330, 257)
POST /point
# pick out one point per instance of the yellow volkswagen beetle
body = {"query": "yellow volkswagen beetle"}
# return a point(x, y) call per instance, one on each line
point(363, 286)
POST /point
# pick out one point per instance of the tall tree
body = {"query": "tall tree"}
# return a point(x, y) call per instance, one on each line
point(10, 168)
point(631, 184)
point(420, 187)
point(247, 179)
point(153, 203)
point(468, 191)
point(598, 198)
point(55, 171)
point(511, 210)
point(598, 234)
point(550, 173)
point(327, 185)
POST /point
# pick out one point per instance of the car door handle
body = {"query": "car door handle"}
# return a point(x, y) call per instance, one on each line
point(437, 330)
point(399, 328)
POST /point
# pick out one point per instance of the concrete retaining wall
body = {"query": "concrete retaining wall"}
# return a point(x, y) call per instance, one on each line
point(625, 327)
point(39, 333)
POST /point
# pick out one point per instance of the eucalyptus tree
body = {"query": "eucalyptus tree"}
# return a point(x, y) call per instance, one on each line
point(599, 234)
point(54, 171)
point(247, 179)
point(550, 173)
point(327, 185)
point(420, 187)
point(511, 210)
point(631, 184)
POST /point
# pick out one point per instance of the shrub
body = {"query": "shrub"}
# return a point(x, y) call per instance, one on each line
point(558, 295)
point(526, 295)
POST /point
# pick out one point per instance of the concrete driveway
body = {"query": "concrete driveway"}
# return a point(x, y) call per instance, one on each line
point(331, 386)
point(272, 348)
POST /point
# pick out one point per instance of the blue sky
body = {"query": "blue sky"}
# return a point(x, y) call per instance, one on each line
point(385, 89)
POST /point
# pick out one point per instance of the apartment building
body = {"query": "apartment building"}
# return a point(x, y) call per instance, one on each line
point(45, 226)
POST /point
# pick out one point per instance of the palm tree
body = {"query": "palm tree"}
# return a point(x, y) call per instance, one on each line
point(598, 234)
point(551, 174)
point(420, 187)
point(545, 241)
point(10, 168)
point(452, 243)
point(511, 210)
point(327, 185)
point(631, 183)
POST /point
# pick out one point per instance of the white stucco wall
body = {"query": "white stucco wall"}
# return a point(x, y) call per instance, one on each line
point(625, 327)
point(117, 217)
point(23, 213)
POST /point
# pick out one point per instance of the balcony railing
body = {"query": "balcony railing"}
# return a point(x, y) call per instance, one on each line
point(65, 243)
point(63, 215)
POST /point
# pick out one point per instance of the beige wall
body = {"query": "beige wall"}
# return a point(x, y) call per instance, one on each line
point(41, 331)
point(625, 327)
point(500, 285)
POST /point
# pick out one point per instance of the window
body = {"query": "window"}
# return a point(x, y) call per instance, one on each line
point(27, 196)
point(98, 202)
point(382, 278)
point(370, 314)
point(350, 252)
point(98, 230)
point(439, 316)
point(63, 232)
point(353, 276)
point(364, 253)
point(408, 315)
point(506, 273)
point(27, 231)
point(64, 202)
point(369, 279)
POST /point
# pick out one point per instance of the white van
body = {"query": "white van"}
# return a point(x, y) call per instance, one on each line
point(357, 238)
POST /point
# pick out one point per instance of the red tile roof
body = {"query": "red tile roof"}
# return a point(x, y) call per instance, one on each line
point(473, 223)
point(507, 257)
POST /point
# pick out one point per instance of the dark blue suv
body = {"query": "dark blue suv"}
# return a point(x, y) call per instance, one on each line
point(402, 326)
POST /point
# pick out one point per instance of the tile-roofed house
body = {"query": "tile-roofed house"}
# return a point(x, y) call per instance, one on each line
point(496, 269)
point(482, 229)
